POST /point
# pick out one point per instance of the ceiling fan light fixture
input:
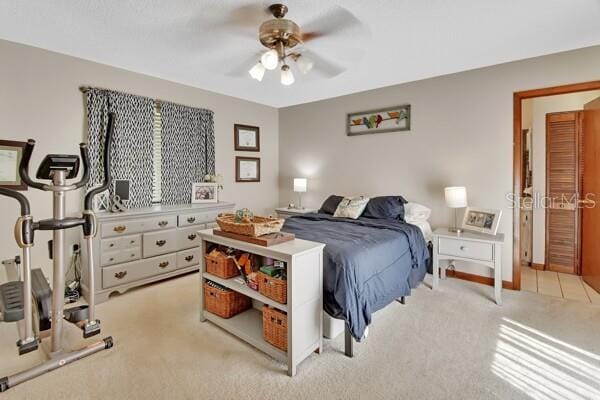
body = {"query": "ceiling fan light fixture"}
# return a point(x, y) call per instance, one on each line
point(270, 59)
point(287, 78)
point(304, 64)
point(257, 72)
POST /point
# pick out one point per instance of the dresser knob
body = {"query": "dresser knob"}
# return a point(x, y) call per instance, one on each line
point(161, 243)
point(463, 248)
point(191, 219)
point(111, 245)
point(192, 236)
point(164, 264)
point(162, 224)
point(189, 258)
point(119, 228)
point(120, 274)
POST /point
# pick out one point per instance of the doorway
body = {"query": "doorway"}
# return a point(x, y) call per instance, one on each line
point(548, 173)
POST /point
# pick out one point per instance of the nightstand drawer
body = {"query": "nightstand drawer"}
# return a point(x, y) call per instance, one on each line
point(466, 249)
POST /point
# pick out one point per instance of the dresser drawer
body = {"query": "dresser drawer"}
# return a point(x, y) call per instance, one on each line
point(134, 271)
point(188, 257)
point(120, 256)
point(157, 243)
point(465, 248)
point(197, 218)
point(126, 227)
point(121, 243)
point(188, 237)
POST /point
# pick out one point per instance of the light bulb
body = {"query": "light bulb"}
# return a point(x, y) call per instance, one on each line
point(304, 64)
point(257, 72)
point(287, 78)
point(270, 60)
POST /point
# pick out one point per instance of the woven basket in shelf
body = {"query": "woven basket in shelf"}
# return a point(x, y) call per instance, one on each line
point(273, 288)
point(275, 327)
point(223, 302)
point(256, 226)
point(222, 267)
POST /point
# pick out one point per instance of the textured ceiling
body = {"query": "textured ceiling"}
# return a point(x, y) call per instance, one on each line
point(211, 43)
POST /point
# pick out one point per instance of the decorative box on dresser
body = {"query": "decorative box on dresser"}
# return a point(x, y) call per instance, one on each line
point(139, 246)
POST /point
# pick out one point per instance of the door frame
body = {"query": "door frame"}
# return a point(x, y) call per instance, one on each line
point(518, 98)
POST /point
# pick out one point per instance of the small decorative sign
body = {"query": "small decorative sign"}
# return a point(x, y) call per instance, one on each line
point(10, 157)
point(392, 119)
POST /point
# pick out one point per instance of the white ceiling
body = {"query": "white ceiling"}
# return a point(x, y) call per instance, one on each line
point(194, 41)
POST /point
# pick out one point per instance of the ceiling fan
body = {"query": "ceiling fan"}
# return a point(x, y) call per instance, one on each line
point(284, 39)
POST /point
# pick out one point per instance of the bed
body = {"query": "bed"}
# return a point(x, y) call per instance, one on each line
point(367, 263)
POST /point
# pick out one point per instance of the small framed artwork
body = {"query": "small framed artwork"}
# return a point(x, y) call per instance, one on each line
point(481, 220)
point(246, 137)
point(391, 119)
point(205, 192)
point(247, 169)
point(10, 157)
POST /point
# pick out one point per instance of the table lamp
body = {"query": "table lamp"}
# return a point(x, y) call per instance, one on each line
point(300, 187)
point(456, 197)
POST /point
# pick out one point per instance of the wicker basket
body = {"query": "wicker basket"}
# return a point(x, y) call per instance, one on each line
point(257, 226)
point(221, 266)
point(223, 302)
point(273, 288)
point(275, 327)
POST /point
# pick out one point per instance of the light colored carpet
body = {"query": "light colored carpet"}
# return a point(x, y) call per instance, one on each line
point(454, 343)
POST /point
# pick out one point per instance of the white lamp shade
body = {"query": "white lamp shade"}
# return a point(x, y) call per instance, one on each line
point(304, 64)
point(257, 72)
point(270, 59)
point(287, 78)
point(456, 196)
point(300, 185)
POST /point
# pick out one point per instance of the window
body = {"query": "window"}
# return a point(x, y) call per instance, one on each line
point(157, 154)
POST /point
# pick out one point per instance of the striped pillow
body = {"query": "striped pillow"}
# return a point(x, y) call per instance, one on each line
point(351, 207)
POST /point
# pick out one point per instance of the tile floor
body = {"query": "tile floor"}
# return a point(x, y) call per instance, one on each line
point(557, 284)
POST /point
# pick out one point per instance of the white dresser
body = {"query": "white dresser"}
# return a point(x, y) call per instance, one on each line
point(140, 246)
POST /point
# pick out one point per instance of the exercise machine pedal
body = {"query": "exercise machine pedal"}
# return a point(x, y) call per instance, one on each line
point(76, 314)
point(11, 301)
point(42, 296)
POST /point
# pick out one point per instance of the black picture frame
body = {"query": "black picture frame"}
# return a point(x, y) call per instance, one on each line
point(19, 147)
point(237, 128)
point(238, 161)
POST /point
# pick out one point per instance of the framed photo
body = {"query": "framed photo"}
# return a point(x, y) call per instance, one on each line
point(391, 119)
point(10, 158)
point(246, 137)
point(247, 169)
point(481, 220)
point(205, 192)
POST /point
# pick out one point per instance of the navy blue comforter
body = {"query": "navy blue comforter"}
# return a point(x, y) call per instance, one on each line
point(367, 263)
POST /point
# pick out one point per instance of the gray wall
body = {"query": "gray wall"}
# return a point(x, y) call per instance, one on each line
point(462, 135)
point(40, 99)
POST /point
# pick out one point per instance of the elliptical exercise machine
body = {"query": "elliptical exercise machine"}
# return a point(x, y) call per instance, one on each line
point(16, 297)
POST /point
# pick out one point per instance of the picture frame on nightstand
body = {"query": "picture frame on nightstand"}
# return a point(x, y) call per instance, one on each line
point(481, 220)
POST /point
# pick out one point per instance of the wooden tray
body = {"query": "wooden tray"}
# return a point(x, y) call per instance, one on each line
point(264, 240)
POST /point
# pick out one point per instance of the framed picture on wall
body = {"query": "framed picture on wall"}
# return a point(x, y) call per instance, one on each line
point(246, 137)
point(10, 157)
point(383, 120)
point(205, 192)
point(247, 169)
point(481, 220)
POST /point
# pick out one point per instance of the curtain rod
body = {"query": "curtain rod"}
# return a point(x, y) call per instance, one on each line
point(85, 89)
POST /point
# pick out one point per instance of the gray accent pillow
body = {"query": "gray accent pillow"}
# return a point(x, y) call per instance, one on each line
point(351, 207)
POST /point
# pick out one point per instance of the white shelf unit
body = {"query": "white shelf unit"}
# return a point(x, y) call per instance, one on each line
point(304, 262)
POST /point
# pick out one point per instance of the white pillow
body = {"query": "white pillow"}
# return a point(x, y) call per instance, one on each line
point(416, 212)
point(351, 207)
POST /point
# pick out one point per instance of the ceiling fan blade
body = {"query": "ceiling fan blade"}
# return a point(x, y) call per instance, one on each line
point(322, 65)
point(250, 15)
point(335, 20)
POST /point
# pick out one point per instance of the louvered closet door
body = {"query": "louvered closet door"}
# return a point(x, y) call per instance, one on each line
point(564, 170)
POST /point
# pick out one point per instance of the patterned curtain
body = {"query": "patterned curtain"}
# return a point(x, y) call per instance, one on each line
point(188, 150)
point(132, 142)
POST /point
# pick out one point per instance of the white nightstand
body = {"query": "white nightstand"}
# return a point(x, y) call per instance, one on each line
point(285, 212)
point(468, 246)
